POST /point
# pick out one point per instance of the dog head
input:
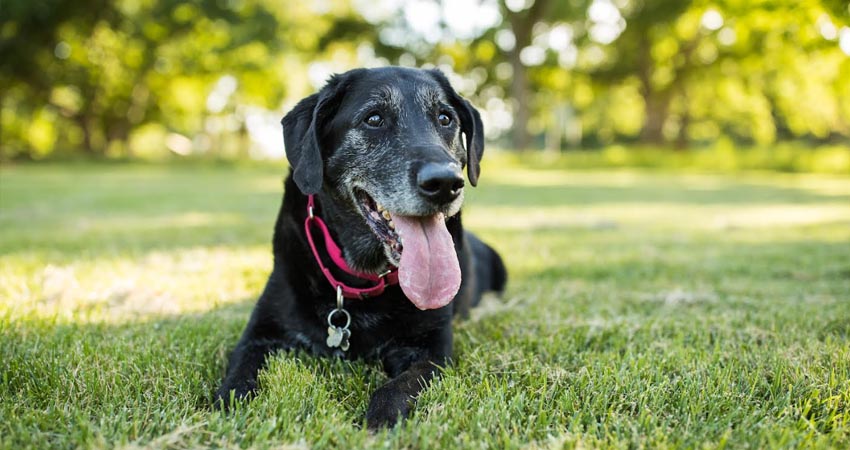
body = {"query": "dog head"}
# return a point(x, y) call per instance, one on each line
point(391, 144)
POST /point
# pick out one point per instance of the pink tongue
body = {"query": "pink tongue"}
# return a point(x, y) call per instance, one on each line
point(429, 273)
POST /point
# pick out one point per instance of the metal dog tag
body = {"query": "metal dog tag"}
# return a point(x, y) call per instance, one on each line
point(338, 336)
point(346, 333)
point(334, 337)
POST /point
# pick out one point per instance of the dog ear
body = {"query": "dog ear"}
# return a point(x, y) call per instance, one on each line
point(302, 145)
point(470, 125)
point(302, 129)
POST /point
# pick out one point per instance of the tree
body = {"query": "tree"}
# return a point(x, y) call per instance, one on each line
point(521, 23)
point(92, 72)
point(522, 17)
point(28, 42)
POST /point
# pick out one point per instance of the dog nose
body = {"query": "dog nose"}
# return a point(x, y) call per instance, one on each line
point(440, 183)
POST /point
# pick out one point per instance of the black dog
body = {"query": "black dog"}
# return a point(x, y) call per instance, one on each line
point(373, 199)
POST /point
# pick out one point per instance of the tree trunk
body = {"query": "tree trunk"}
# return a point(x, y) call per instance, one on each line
point(85, 126)
point(657, 107)
point(656, 102)
point(2, 145)
point(119, 132)
point(522, 25)
point(520, 93)
point(685, 121)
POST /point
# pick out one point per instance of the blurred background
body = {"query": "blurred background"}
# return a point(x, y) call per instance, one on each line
point(612, 81)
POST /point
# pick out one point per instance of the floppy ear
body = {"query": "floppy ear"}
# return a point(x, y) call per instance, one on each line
point(302, 128)
point(302, 145)
point(470, 125)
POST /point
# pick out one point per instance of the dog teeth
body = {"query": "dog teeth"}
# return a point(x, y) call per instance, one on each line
point(379, 206)
point(391, 224)
point(385, 214)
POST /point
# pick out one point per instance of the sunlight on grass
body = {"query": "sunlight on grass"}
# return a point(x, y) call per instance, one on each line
point(120, 288)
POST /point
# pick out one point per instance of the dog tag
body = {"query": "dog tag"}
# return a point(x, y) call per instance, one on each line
point(334, 337)
point(338, 337)
point(343, 345)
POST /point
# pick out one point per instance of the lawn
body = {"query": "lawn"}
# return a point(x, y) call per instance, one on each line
point(644, 309)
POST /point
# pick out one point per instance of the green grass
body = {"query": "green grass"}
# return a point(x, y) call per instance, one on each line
point(643, 310)
point(722, 156)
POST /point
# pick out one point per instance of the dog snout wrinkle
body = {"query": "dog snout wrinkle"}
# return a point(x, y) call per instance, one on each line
point(439, 183)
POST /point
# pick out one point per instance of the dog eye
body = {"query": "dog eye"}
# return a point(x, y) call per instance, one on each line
point(444, 119)
point(374, 120)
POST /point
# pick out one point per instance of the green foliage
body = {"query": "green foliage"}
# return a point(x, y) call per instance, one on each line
point(148, 77)
point(89, 81)
point(644, 309)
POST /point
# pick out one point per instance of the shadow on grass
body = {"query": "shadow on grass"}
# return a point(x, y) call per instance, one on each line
point(78, 384)
point(121, 359)
point(136, 208)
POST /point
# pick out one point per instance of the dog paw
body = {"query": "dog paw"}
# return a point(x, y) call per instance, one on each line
point(226, 398)
point(387, 408)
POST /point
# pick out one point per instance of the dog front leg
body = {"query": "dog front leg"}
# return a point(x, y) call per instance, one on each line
point(412, 370)
point(395, 400)
point(247, 359)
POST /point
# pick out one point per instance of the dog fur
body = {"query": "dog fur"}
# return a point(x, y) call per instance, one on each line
point(335, 154)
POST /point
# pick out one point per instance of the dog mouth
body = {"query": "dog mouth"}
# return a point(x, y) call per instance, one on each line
point(421, 247)
point(381, 222)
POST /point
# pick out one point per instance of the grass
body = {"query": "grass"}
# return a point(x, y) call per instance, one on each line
point(644, 309)
point(722, 156)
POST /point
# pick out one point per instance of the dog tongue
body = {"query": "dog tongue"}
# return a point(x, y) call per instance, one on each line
point(429, 273)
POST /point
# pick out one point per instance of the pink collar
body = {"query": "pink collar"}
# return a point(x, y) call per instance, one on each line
point(383, 280)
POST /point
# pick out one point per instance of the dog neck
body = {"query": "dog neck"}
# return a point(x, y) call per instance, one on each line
point(314, 224)
point(360, 248)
